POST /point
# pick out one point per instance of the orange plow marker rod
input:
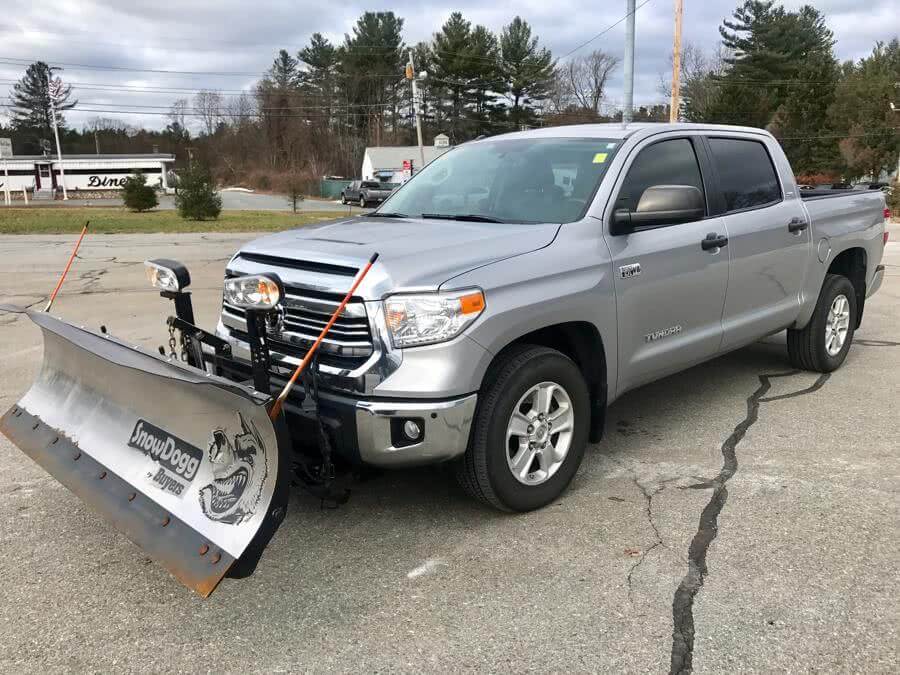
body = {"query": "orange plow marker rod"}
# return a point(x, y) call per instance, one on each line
point(276, 408)
point(68, 265)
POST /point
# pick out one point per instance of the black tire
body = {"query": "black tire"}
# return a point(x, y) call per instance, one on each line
point(343, 199)
point(362, 202)
point(483, 471)
point(806, 346)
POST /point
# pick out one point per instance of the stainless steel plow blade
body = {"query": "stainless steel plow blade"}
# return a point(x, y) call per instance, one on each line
point(187, 465)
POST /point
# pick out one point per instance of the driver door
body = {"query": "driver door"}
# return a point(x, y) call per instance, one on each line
point(670, 288)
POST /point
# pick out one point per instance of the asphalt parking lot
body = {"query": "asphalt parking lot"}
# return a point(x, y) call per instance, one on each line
point(800, 552)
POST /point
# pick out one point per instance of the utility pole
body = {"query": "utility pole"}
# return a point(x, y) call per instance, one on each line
point(96, 142)
point(412, 77)
point(896, 109)
point(675, 102)
point(54, 87)
point(629, 64)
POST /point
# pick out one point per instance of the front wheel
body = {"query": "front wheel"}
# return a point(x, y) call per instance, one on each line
point(529, 432)
point(822, 345)
point(343, 199)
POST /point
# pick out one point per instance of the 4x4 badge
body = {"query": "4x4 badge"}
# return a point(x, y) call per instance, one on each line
point(628, 271)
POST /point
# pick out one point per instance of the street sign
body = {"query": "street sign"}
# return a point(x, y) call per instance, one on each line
point(5, 147)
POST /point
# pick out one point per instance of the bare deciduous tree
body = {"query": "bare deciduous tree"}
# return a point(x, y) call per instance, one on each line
point(699, 72)
point(585, 78)
point(209, 108)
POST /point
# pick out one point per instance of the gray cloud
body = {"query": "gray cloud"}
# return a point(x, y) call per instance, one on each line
point(228, 35)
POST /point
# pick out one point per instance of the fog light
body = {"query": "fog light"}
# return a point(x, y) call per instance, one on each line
point(412, 430)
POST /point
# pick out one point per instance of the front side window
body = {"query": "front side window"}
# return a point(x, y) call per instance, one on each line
point(746, 175)
point(665, 163)
point(525, 180)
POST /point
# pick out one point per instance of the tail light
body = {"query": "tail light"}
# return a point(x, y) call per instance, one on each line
point(887, 213)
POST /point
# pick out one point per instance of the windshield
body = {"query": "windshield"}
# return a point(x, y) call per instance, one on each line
point(527, 180)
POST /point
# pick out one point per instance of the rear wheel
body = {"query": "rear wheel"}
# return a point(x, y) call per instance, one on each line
point(530, 430)
point(823, 344)
point(362, 202)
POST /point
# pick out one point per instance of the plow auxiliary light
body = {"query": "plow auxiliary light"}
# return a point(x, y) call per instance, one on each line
point(167, 275)
point(253, 292)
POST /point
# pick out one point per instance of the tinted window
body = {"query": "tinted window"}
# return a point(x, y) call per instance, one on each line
point(524, 180)
point(371, 184)
point(746, 175)
point(666, 163)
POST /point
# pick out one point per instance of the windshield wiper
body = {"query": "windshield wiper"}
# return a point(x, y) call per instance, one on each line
point(386, 214)
point(470, 217)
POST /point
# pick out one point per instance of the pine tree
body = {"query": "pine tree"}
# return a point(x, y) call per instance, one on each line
point(768, 47)
point(372, 71)
point(196, 198)
point(452, 70)
point(527, 70)
point(31, 100)
point(484, 71)
point(283, 72)
point(862, 111)
point(319, 78)
point(136, 194)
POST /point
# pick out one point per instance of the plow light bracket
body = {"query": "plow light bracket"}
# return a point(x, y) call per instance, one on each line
point(167, 275)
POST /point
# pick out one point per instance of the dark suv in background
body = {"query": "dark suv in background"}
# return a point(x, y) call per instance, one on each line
point(365, 192)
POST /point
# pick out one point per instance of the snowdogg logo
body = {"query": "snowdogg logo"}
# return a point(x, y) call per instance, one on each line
point(178, 461)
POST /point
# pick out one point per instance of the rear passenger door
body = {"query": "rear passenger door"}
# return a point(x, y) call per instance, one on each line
point(768, 240)
point(670, 291)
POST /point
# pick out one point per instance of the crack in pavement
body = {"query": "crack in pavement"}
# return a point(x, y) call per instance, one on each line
point(876, 343)
point(683, 601)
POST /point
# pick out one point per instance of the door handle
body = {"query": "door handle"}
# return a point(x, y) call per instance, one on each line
point(797, 225)
point(713, 241)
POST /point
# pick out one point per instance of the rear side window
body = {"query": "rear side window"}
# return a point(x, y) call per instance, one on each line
point(746, 174)
point(665, 163)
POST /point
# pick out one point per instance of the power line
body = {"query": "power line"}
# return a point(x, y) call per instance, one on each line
point(603, 32)
point(158, 71)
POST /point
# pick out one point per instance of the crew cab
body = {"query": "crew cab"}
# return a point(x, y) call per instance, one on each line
point(526, 281)
point(365, 192)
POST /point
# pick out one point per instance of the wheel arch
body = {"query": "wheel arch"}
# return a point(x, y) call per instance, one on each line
point(852, 263)
point(582, 342)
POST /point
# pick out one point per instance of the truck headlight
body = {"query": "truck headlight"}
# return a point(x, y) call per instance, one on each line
point(252, 292)
point(167, 275)
point(415, 320)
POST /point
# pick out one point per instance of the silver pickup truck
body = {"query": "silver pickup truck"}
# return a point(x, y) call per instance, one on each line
point(484, 316)
point(528, 280)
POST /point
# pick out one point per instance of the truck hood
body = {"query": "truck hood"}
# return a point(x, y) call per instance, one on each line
point(413, 253)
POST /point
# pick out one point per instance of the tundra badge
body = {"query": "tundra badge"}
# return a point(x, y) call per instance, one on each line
point(660, 334)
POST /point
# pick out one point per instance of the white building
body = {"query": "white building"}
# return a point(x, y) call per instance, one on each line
point(82, 172)
point(386, 164)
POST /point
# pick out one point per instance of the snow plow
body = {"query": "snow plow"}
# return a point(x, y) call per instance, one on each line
point(192, 467)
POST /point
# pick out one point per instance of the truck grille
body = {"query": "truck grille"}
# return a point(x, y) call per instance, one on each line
point(296, 324)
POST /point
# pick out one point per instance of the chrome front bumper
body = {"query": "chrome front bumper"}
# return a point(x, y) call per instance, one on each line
point(379, 429)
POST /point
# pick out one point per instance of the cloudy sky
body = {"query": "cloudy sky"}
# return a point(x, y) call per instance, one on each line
point(224, 44)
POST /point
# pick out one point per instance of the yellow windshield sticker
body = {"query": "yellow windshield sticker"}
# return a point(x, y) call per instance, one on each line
point(600, 157)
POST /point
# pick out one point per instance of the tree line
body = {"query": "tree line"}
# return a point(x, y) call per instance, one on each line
point(313, 112)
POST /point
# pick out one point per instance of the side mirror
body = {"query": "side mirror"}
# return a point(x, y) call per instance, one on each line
point(661, 205)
